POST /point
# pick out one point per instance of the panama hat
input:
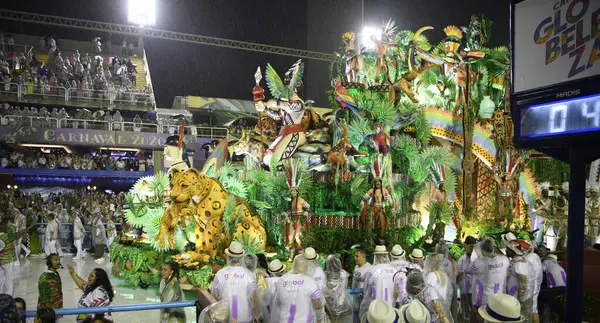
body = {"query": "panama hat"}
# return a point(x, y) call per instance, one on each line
point(417, 254)
point(502, 308)
point(508, 237)
point(553, 257)
point(310, 253)
point(381, 312)
point(235, 250)
point(415, 312)
point(379, 250)
point(276, 266)
point(397, 251)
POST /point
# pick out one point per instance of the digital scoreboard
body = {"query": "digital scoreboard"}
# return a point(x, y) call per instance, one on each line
point(555, 73)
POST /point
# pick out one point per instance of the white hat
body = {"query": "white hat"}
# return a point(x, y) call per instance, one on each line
point(415, 312)
point(553, 257)
point(276, 266)
point(514, 246)
point(381, 312)
point(310, 253)
point(397, 251)
point(417, 254)
point(502, 308)
point(235, 250)
point(508, 237)
point(379, 250)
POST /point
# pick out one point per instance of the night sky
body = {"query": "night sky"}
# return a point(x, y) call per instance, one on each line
point(179, 68)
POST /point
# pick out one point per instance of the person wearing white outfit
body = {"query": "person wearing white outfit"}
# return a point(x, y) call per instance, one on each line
point(78, 233)
point(276, 270)
point(51, 238)
point(488, 272)
point(337, 299)
point(464, 280)
point(556, 278)
point(449, 267)
point(99, 237)
point(380, 280)
point(8, 239)
point(418, 289)
point(319, 275)
point(521, 277)
point(536, 264)
point(359, 277)
point(237, 285)
point(20, 224)
point(298, 298)
point(398, 256)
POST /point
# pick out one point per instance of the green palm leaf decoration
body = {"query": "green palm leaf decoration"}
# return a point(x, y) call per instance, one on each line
point(159, 183)
point(235, 186)
point(358, 130)
point(250, 244)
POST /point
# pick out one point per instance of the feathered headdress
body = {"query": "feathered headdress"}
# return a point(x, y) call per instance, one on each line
point(512, 161)
point(543, 186)
point(347, 36)
point(453, 34)
point(293, 173)
point(293, 78)
point(377, 166)
point(438, 174)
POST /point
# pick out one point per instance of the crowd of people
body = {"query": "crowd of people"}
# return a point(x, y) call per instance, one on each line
point(86, 77)
point(59, 159)
point(485, 285)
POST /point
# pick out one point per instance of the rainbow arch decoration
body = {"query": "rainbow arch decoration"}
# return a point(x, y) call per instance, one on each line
point(444, 125)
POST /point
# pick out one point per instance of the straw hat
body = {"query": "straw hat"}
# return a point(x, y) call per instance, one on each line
point(514, 246)
point(415, 312)
point(508, 237)
point(381, 312)
point(379, 250)
point(397, 251)
point(276, 266)
point(235, 250)
point(502, 308)
point(310, 254)
point(417, 254)
point(553, 257)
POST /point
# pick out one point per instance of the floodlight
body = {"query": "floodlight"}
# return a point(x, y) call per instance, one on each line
point(16, 187)
point(141, 12)
point(368, 37)
point(8, 186)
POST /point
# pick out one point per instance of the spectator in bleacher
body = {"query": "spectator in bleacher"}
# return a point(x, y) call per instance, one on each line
point(8, 309)
point(21, 309)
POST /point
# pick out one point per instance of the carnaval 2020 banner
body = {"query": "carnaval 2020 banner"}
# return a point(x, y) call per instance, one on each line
point(84, 137)
point(555, 41)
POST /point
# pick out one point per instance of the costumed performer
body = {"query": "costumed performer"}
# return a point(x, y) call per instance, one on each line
point(287, 108)
point(8, 239)
point(544, 210)
point(51, 239)
point(374, 200)
point(299, 208)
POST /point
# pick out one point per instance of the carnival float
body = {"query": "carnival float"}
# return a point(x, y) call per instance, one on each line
point(416, 148)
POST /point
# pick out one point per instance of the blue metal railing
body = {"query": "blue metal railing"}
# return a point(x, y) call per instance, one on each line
point(134, 307)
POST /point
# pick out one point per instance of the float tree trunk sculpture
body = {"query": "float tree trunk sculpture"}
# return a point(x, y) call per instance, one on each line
point(467, 162)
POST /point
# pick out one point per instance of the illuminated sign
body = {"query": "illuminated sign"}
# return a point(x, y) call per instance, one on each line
point(555, 41)
point(561, 117)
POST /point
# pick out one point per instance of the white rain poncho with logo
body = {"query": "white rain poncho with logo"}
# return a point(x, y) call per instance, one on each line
point(428, 294)
point(489, 273)
point(520, 266)
point(359, 278)
point(336, 291)
point(237, 285)
point(298, 298)
point(317, 273)
point(379, 283)
point(264, 294)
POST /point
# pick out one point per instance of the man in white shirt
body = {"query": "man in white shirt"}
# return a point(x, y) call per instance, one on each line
point(298, 298)
point(276, 270)
point(78, 234)
point(318, 274)
point(359, 276)
point(488, 274)
point(464, 280)
point(521, 277)
point(555, 273)
point(237, 285)
point(52, 242)
point(380, 280)
point(536, 263)
point(398, 256)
